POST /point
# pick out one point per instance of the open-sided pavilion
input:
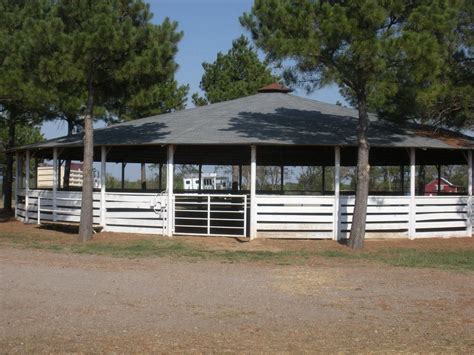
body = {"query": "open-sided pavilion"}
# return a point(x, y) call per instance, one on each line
point(271, 128)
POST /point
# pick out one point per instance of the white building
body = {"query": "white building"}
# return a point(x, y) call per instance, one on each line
point(209, 181)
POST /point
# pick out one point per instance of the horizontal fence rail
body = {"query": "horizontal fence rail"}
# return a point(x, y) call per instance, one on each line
point(441, 216)
point(278, 216)
point(295, 216)
point(41, 206)
point(125, 212)
point(387, 216)
point(135, 212)
point(210, 214)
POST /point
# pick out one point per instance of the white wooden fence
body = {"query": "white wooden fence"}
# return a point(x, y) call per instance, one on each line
point(65, 208)
point(441, 216)
point(295, 216)
point(125, 212)
point(135, 212)
point(387, 216)
point(277, 216)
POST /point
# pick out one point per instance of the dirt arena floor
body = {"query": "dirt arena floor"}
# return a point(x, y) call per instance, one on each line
point(64, 302)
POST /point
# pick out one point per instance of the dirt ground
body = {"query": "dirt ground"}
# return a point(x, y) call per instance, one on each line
point(53, 302)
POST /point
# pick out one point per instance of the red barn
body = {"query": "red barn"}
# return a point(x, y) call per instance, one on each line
point(445, 187)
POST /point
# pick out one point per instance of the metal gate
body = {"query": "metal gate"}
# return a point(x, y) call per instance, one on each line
point(210, 214)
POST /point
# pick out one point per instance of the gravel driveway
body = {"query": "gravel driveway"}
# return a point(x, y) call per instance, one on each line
point(72, 303)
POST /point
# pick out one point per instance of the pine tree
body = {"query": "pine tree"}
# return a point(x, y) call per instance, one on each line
point(26, 29)
point(444, 97)
point(360, 45)
point(235, 74)
point(122, 62)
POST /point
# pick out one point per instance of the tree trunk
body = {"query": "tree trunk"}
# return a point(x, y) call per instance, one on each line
point(438, 169)
point(123, 175)
point(402, 179)
point(143, 176)
point(356, 240)
point(85, 228)
point(421, 180)
point(67, 164)
point(8, 178)
point(235, 178)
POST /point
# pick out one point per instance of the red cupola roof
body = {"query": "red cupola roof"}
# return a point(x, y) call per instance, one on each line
point(275, 87)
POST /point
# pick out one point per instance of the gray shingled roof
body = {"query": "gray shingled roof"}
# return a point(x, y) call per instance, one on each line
point(264, 118)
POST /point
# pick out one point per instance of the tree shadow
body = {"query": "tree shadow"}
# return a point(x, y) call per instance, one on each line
point(144, 133)
point(343, 241)
point(6, 216)
point(312, 127)
point(241, 240)
point(127, 133)
point(63, 228)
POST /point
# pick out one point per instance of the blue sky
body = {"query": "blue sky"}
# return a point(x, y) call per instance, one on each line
point(209, 26)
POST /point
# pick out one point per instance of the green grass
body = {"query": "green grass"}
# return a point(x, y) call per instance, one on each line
point(459, 259)
point(156, 248)
point(176, 249)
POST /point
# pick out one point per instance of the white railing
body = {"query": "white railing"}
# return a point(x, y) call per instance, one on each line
point(47, 207)
point(295, 216)
point(124, 212)
point(135, 212)
point(210, 214)
point(387, 216)
point(66, 208)
point(277, 216)
point(441, 216)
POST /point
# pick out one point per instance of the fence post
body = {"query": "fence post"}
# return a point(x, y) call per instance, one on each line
point(103, 208)
point(337, 175)
point(208, 214)
point(169, 187)
point(469, 188)
point(412, 213)
point(38, 205)
point(27, 186)
point(17, 182)
point(55, 181)
point(253, 192)
point(244, 232)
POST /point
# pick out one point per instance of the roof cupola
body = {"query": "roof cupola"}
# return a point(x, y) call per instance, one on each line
point(275, 87)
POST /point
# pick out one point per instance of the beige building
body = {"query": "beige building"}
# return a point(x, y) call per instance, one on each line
point(45, 176)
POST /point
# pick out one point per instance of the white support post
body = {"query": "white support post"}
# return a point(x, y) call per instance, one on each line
point(27, 185)
point(412, 215)
point(469, 189)
point(253, 192)
point(244, 231)
point(208, 214)
point(17, 182)
point(38, 206)
point(169, 188)
point(55, 182)
point(337, 187)
point(103, 207)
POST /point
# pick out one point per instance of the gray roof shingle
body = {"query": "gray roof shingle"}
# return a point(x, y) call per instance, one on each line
point(264, 118)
